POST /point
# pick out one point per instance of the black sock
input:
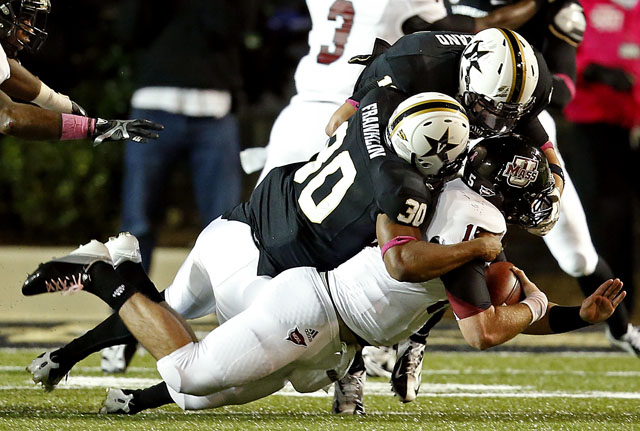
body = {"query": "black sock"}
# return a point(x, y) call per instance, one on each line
point(108, 285)
point(357, 364)
point(420, 336)
point(149, 398)
point(110, 332)
point(134, 273)
point(619, 320)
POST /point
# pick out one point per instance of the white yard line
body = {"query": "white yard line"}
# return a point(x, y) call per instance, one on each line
point(371, 388)
point(425, 371)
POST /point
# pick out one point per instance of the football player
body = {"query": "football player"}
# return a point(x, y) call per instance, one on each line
point(497, 76)
point(304, 325)
point(22, 28)
point(362, 187)
point(556, 29)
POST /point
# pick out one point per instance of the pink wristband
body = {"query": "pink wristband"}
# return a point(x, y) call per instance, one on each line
point(399, 240)
point(546, 146)
point(76, 127)
point(353, 103)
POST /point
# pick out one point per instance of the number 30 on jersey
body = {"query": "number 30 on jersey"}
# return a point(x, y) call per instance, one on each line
point(317, 212)
point(414, 214)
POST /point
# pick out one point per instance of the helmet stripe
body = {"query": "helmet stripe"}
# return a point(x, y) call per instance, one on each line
point(426, 106)
point(519, 67)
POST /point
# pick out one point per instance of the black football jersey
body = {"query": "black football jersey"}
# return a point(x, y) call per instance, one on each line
point(322, 212)
point(430, 61)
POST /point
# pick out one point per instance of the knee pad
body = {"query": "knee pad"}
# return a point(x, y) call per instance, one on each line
point(578, 264)
point(184, 373)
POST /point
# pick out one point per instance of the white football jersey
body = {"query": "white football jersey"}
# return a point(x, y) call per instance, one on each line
point(383, 310)
point(342, 29)
point(5, 70)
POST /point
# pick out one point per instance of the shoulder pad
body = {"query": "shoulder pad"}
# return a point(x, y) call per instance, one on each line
point(569, 23)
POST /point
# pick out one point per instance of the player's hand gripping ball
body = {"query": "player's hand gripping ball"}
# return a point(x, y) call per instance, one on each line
point(504, 286)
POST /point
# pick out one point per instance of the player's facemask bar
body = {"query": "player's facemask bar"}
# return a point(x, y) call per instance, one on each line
point(448, 171)
point(489, 118)
point(525, 209)
point(32, 20)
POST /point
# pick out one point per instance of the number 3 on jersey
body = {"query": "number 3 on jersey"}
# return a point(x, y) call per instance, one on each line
point(316, 213)
point(415, 213)
point(344, 9)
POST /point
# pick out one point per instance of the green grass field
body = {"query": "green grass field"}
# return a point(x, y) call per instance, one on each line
point(460, 391)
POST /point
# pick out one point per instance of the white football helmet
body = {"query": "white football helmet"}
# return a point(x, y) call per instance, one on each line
point(430, 131)
point(498, 76)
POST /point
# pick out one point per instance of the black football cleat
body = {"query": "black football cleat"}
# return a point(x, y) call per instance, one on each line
point(66, 274)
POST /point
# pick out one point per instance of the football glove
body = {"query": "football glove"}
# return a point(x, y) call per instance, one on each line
point(77, 109)
point(545, 226)
point(121, 130)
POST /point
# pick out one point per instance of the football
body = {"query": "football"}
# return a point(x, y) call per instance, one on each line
point(503, 285)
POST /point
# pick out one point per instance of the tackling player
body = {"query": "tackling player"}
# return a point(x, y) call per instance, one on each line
point(499, 79)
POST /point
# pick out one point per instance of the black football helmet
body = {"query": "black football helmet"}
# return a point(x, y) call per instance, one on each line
point(514, 176)
point(28, 16)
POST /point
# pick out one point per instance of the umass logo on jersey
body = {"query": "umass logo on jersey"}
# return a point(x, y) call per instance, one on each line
point(296, 337)
point(521, 171)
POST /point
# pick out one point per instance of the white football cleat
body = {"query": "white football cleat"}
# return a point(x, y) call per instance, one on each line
point(407, 373)
point(117, 402)
point(123, 248)
point(379, 361)
point(66, 274)
point(116, 359)
point(629, 342)
point(43, 371)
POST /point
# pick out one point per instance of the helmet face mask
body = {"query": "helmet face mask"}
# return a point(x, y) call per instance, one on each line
point(23, 24)
point(430, 131)
point(488, 118)
point(498, 76)
point(513, 176)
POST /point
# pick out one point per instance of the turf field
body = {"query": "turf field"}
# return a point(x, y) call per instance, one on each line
point(505, 390)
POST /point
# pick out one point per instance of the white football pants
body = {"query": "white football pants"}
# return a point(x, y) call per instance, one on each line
point(569, 241)
point(289, 333)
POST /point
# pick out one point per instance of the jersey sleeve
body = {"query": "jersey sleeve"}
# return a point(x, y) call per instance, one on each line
point(467, 290)
point(533, 130)
point(543, 89)
point(566, 26)
point(402, 194)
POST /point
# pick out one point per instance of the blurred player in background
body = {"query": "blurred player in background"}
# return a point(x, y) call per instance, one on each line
point(604, 140)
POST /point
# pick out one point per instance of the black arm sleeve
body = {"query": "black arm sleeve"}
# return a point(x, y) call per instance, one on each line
point(565, 319)
point(561, 60)
point(467, 289)
point(533, 130)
